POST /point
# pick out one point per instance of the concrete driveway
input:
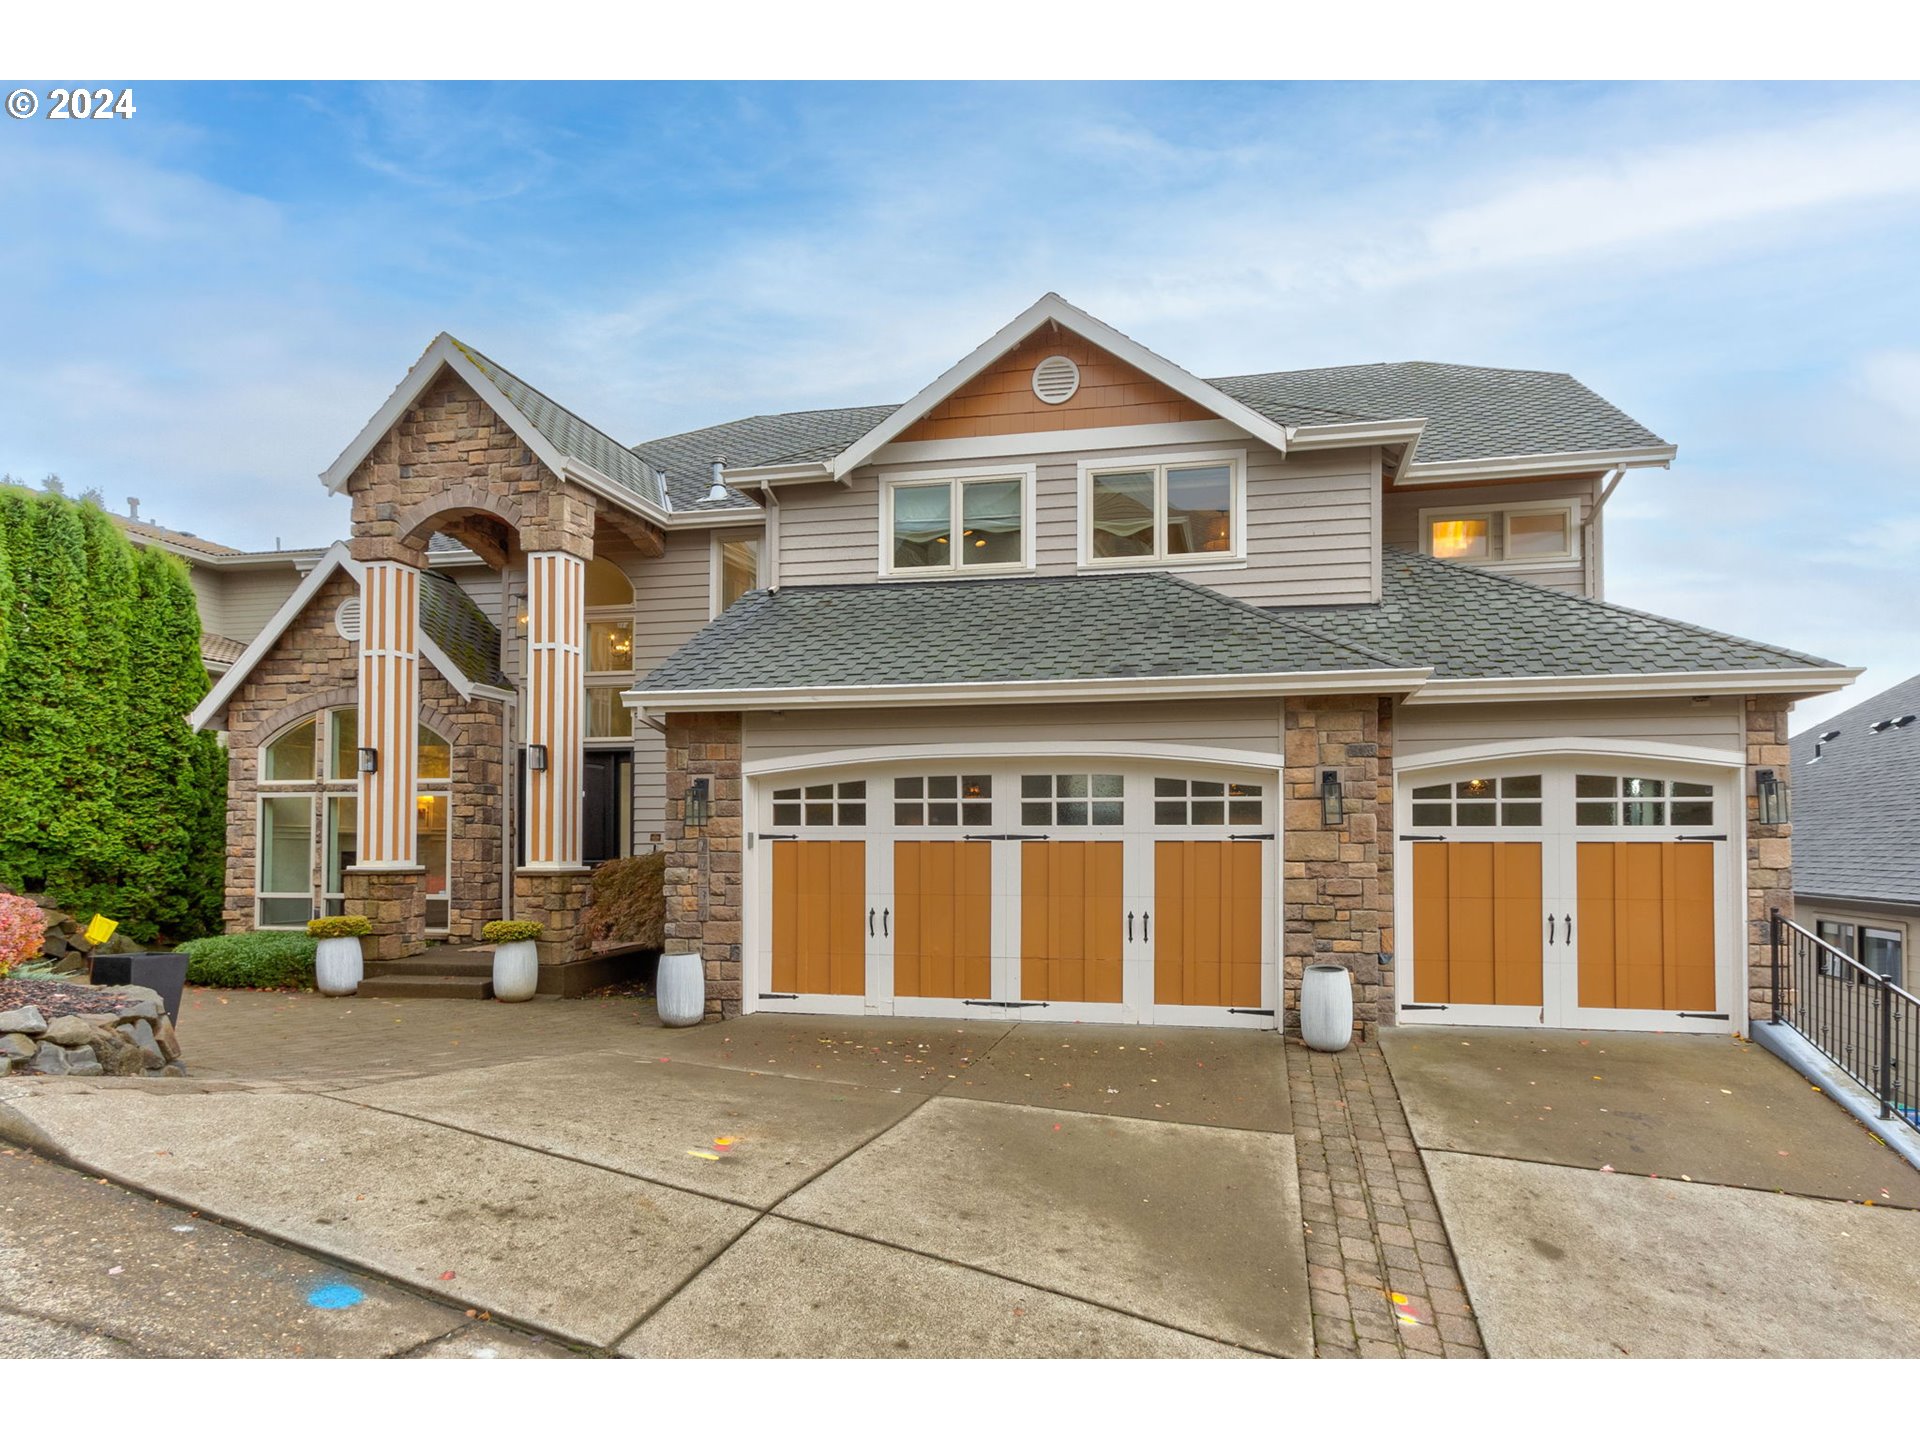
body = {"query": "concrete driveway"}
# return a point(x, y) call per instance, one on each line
point(1659, 1195)
point(768, 1187)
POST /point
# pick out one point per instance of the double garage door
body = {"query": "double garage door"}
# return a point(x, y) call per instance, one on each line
point(1099, 892)
point(1583, 895)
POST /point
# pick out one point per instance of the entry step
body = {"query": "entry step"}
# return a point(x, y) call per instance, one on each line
point(428, 987)
point(457, 963)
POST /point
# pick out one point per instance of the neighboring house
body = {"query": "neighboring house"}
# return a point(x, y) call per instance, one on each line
point(1856, 830)
point(1077, 687)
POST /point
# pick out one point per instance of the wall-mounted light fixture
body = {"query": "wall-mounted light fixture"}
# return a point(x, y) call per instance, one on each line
point(1772, 795)
point(369, 760)
point(1333, 804)
point(699, 804)
point(536, 757)
point(519, 603)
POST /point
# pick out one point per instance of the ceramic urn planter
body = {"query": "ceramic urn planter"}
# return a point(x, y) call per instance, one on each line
point(516, 970)
point(338, 966)
point(680, 989)
point(1326, 1007)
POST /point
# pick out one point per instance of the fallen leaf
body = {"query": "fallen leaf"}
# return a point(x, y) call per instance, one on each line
point(446, 1274)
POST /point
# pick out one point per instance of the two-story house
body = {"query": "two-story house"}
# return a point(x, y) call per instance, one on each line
point(1077, 687)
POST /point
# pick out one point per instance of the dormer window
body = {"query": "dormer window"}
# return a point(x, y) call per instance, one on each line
point(1162, 513)
point(957, 523)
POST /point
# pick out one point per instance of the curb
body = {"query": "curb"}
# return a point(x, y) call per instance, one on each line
point(1789, 1045)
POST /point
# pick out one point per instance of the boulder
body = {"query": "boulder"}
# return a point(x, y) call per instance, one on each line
point(51, 1060)
point(138, 1001)
point(81, 1062)
point(16, 1047)
point(79, 941)
point(164, 1037)
point(141, 1033)
point(72, 1030)
point(117, 1054)
point(56, 945)
point(27, 1020)
point(71, 963)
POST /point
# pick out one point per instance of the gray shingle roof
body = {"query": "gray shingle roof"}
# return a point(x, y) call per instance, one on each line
point(993, 632)
point(1468, 622)
point(568, 433)
point(1472, 412)
point(454, 621)
point(1856, 810)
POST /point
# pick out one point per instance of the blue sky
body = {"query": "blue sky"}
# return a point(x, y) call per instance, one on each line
point(205, 303)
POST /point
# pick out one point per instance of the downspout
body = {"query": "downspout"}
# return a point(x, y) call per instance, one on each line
point(771, 570)
point(1596, 572)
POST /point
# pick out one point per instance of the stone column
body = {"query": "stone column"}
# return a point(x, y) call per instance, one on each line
point(705, 865)
point(551, 886)
point(1769, 847)
point(386, 882)
point(1338, 901)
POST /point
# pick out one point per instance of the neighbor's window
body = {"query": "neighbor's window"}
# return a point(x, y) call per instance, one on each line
point(958, 524)
point(739, 562)
point(1162, 512)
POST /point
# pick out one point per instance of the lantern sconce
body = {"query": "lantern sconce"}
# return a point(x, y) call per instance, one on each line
point(1333, 805)
point(698, 804)
point(369, 760)
point(1772, 795)
point(536, 757)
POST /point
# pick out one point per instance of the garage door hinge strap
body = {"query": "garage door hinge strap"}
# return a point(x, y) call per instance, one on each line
point(1007, 1004)
point(1254, 837)
point(1004, 837)
point(1699, 837)
point(1236, 1010)
point(1423, 1007)
point(1703, 1015)
point(777, 995)
point(1423, 837)
point(779, 837)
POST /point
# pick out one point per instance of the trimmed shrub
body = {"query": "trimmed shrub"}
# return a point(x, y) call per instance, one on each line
point(508, 932)
point(339, 927)
point(255, 960)
point(626, 902)
point(23, 930)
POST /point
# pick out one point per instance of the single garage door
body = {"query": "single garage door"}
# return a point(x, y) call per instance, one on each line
point(1104, 892)
point(1568, 894)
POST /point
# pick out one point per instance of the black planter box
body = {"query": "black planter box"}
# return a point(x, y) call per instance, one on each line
point(158, 971)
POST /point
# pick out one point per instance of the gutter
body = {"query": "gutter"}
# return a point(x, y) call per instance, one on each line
point(1822, 680)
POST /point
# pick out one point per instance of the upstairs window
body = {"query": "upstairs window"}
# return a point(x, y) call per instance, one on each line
point(1158, 513)
point(957, 523)
point(1517, 535)
point(736, 568)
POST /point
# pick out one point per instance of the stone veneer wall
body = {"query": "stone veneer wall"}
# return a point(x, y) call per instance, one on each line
point(705, 870)
point(1338, 898)
point(1769, 847)
point(311, 669)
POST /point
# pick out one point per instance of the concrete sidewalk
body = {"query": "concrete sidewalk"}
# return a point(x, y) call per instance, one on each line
point(890, 1187)
point(1659, 1196)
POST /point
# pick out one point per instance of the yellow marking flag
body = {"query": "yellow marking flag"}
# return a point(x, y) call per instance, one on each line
point(100, 929)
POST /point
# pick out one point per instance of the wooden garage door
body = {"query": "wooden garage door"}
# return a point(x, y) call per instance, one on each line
point(1071, 920)
point(1206, 914)
point(1646, 937)
point(1478, 923)
point(819, 917)
point(943, 918)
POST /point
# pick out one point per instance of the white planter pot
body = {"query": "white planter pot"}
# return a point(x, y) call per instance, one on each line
point(1326, 1007)
point(516, 970)
point(680, 989)
point(337, 966)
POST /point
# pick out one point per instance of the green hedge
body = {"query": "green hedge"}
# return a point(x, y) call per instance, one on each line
point(260, 960)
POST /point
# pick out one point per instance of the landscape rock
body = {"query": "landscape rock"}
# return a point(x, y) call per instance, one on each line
point(50, 1060)
point(27, 1020)
point(81, 1062)
point(164, 1037)
point(72, 1030)
point(175, 1070)
point(117, 1054)
point(16, 1047)
point(141, 1002)
point(141, 1033)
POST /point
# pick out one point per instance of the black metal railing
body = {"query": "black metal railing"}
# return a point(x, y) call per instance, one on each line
point(1852, 1014)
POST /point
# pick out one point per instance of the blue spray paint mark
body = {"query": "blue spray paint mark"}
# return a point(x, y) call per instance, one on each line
point(334, 1297)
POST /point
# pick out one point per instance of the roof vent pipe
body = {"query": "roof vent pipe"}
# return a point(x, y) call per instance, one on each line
point(133, 507)
point(718, 490)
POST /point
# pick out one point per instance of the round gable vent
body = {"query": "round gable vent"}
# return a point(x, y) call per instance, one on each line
point(346, 619)
point(1055, 379)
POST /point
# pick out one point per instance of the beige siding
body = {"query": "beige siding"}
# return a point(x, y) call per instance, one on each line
point(1311, 524)
point(209, 600)
point(1717, 724)
point(1400, 523)
point(250, 598)
point(672, 597)
point(1235, 725)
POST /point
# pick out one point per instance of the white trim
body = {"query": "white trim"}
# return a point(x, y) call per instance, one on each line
point(1051, 307)
point(1500, 514)
point(1028, 477)
point(1345, 433)
point(1806, 680)
point(1054, 442)
point(1559, 462)
point(1092, 465)
point(716, 568)
point(1012, 750)
point(1018, 692)
point(336, 558)
point(1573, 747)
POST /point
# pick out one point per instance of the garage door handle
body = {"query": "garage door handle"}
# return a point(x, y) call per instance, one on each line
point(1129, 927)
point(1146, 925)
point(1568, 922)
point(869, 920)
point(884, 913)
point(1549, 929)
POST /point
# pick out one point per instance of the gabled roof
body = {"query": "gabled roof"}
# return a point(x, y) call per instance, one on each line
point(803, 435)
point(182, 541)
point(995, 639)
point(1856, 810)
point(1473, 624)
point(456, 637)
point(565, 444)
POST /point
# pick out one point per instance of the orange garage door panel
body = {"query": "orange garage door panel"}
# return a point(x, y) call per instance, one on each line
point(1071, 921)
point(1477, 923)
point(943, 914)
point(819, 917)
point(1646, 925)
point(1206, 914)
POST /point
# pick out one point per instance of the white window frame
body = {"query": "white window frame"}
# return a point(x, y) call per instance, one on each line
point(1236, 462)
point(260, 896)
point(1027, 475)
point(1499, 524)
point(716, 566)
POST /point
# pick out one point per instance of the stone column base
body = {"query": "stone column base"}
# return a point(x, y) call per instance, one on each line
point(395, 901)
point(558, 900)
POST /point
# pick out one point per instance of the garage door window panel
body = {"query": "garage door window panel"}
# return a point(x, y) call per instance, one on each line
point(1048, 801)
